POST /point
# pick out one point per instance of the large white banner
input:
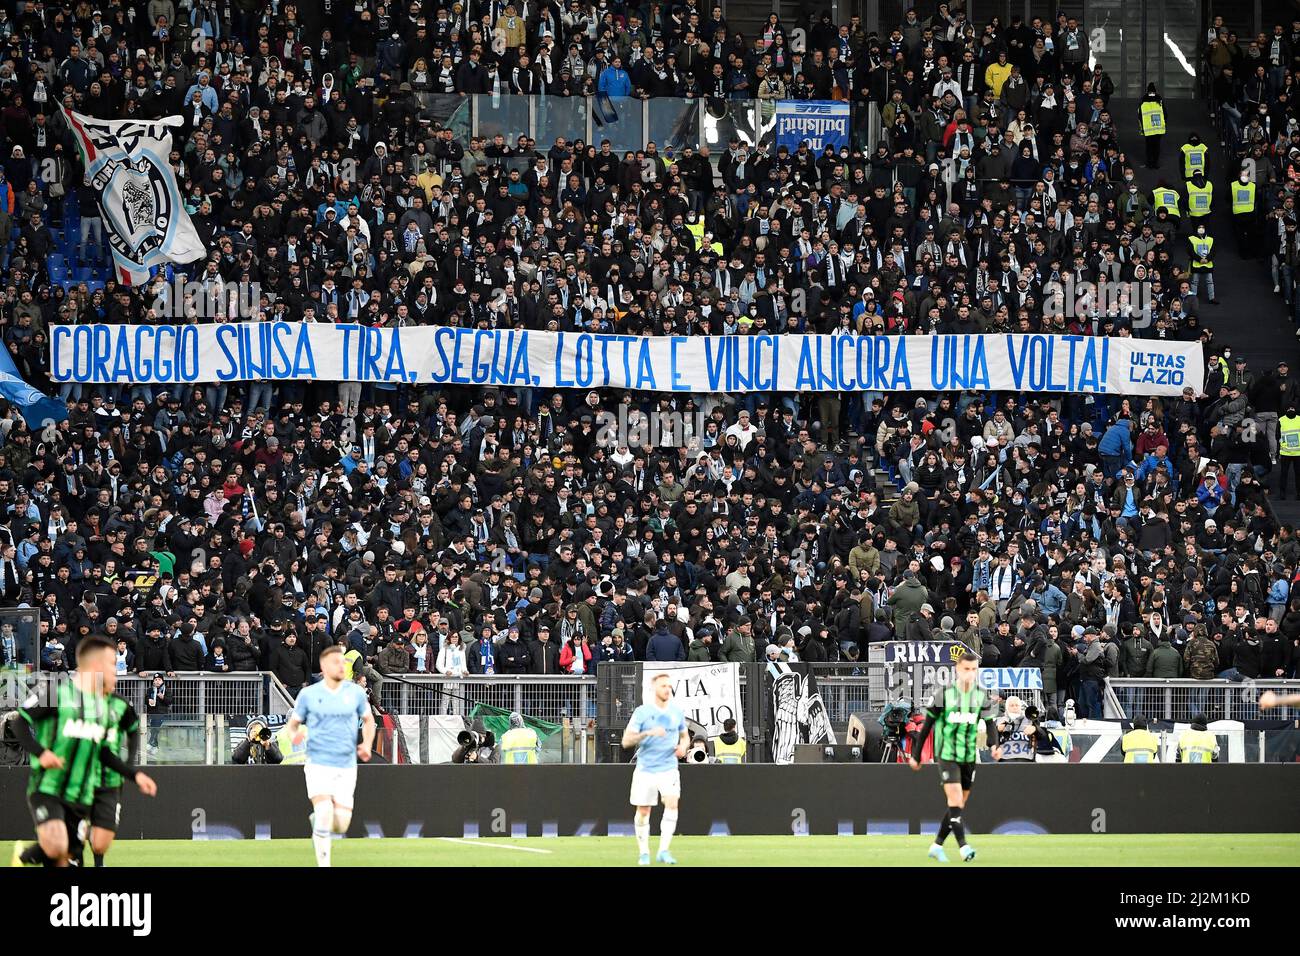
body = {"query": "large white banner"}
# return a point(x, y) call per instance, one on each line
point(127, 163)
point(438, 355)
point(707, 693)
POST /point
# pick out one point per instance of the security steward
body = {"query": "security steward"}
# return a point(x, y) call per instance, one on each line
point(1194, 156)
point(1198, 745)
point(1243, 214)
point(1288, 450)
point(1152, 112)
point(1166, 198)
point(519, 744)
point(1140, 745)
point(730, 747)
point(1200, 246)
point(1200, 197)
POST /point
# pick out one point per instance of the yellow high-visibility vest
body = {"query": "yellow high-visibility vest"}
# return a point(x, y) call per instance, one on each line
point(1193, 159)
point(285, 740)
point(1153, 118)
point(696, 229)
point(1164, 198)
point(1140, 746)
point(730, 753)
point(354, 663)
point(1243, 198)
point(1197, 746)
point(519, 745)
point(1203, 247)
point(1289, 436)
point(1199, 199)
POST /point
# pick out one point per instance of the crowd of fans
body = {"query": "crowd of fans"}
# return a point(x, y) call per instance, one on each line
point(1251, 88)
point(247, 526)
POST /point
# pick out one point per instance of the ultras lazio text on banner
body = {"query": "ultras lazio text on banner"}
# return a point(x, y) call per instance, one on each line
point(436, 355)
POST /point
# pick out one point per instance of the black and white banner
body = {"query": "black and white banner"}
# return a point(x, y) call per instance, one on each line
point(127, 163)
point(707, 693)
point(797, 713)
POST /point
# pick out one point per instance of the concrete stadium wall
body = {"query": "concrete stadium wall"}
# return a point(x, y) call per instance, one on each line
point(261, 802)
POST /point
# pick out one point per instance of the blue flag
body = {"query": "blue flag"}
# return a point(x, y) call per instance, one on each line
point(38, 408)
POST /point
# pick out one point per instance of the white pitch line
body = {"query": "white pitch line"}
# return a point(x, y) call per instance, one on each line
point(492, 846)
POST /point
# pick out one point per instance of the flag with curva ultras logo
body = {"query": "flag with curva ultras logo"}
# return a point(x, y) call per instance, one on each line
point(144, 218)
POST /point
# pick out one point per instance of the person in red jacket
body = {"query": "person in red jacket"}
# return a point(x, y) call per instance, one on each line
point(1152, 437)
point(575, 656)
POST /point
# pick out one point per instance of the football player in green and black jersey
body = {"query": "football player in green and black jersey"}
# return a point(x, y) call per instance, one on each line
point(70, 743)
point(955, 714)
point(123, 737)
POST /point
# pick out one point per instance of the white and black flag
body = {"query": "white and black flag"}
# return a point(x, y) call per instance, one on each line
point(798, 713)
point(139, 200)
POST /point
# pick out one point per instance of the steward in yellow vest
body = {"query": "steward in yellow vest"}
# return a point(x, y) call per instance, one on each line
point(1140, 745)
point(1288, 450)
point(519, 744)
point(1200, 197)
point(354, 662)
point(284, 740)
point(1162, 197)
point(1200, 247)
point(696, 228)
point(730, 748)
point(1288, 427)
point(1153, 125)
point(1243, 196)
point(1194, 153)
point(1243, 214)
point(1198, 745)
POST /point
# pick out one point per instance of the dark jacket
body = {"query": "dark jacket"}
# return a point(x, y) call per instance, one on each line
point(1133, 656)
point(474, 659)
point(394, 659)
point(664, 646)
point(544, 657)
point(187, 654)
point(1164, 662)
point(290, 665)
point(513, 657)
point(917, 629)
point(268, 754)
point(151, 655)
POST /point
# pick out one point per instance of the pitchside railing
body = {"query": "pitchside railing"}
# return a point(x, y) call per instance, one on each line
point(195, 694)
point(1180, 700)
point(549, 698)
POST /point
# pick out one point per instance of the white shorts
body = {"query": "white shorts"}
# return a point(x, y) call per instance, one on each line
point(337, 783)
point(648, 787)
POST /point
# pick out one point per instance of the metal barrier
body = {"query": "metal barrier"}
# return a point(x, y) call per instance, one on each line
point(544, 697)
point(629, 123)
point(1182, 699)
point(193, 694)
point(619, 693)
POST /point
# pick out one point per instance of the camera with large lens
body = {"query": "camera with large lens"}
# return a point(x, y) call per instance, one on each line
point(475, 746)
point(893, 722)
point(699, 751)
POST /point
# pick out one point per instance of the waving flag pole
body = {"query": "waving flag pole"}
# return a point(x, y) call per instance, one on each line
point(127, 164)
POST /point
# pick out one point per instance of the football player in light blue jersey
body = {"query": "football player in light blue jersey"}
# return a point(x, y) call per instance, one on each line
point(658, 731)
point(328, 713)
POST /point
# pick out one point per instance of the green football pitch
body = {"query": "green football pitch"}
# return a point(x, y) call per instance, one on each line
point(1166, 849)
